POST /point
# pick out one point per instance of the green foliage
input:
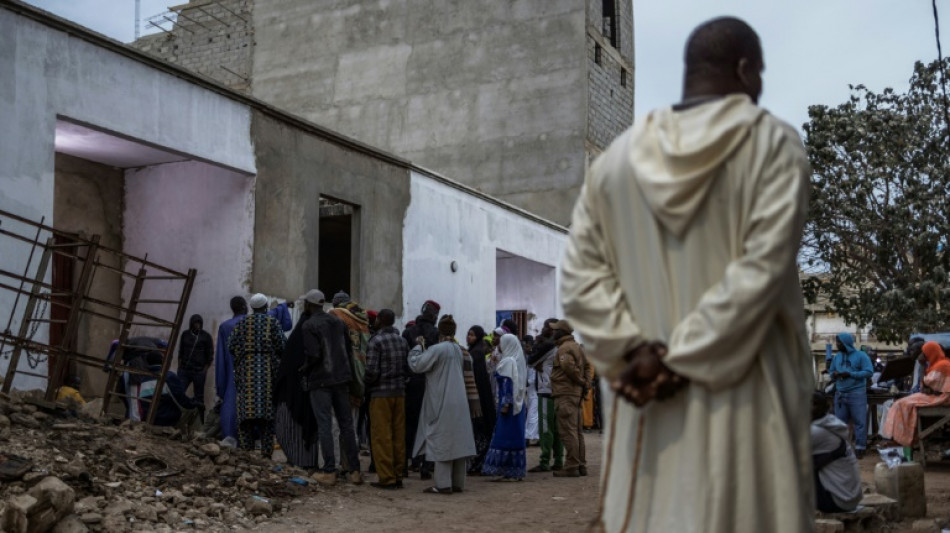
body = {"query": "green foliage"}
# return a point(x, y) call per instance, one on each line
point(879, 223)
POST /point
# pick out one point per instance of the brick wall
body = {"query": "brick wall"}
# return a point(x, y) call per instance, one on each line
point(213, 38)
point(610, 103)
point(610, 76)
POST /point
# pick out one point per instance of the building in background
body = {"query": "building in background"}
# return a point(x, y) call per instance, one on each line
point(512, 98)
point(103, 139)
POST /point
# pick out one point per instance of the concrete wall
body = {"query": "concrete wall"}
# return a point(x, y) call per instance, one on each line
point(446, 224)
point(215, 40)
point(45, 73)
point(89, 200)
point(192, 215)
point(294, 170)
point(489, 93)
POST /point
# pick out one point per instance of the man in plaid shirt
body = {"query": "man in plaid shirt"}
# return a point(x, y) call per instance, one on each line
point(387, 369)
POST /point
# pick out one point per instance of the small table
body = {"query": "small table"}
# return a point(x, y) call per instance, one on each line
point(930, 412)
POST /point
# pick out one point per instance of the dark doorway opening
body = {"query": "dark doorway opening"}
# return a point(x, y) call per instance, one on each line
point(63, 274)
point(338, 224)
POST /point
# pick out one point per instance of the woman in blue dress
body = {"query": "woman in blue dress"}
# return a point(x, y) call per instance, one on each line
point(506, 454)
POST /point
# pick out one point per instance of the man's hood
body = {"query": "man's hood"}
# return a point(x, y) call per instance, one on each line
point(847, 340)
point(198, 319)
point(834, 425)
point(675, 154)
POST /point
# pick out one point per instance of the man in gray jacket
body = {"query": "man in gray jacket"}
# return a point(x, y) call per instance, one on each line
point(542, 359)
point(837, 477)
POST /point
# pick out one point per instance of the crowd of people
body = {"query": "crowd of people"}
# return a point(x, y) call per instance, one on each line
point(346, 380)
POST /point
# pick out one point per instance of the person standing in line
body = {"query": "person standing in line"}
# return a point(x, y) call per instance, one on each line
point(445, 428)
point(542, 359)
point(482, 427)
point(257, 344)
point(532, 433)
point(568, 381)
point(295, 422)
point(357, 327)
point(326, 376)
point(224, 362)
point(680, 275)
point(195, 355)
point(506, 456)
point(387, 367)
point(224, 371)
point(422, 327)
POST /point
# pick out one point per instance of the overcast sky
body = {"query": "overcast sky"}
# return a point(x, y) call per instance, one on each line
point(813, 48)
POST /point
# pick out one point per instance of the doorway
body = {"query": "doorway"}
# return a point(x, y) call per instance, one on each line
point(339, 224)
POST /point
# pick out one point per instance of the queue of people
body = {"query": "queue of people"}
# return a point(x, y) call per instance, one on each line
point(345, 378)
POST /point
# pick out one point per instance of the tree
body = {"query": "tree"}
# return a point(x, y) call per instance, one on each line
point(877, 235)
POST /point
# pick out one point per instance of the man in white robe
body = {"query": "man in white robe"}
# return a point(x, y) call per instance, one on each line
point(445, 432)
point(681, 268)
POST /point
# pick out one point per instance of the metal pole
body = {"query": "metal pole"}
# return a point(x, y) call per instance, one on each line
point(27, 315)
point(72, 322)
point(123, 340)
point(173, 338)
point(29, 261)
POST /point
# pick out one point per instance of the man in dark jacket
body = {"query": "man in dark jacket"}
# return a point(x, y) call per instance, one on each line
point(424, 326)
point(326, 376)
point(195, 355)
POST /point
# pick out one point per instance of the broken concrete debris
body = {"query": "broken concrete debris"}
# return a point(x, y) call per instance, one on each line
point(65, 474)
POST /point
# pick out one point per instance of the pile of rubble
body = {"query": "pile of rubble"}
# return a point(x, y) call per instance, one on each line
point(64, 472)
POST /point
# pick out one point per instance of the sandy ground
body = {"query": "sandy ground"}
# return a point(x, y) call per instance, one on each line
point(936, 486)
point(541, 503)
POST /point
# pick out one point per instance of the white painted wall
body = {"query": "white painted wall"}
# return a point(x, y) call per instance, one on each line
point(525, 284)
point(46, 73)
point(192, 215)
point(445, 224)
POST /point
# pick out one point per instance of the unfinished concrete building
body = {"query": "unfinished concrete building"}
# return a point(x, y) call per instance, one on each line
point(512, 98)
point(102, 139)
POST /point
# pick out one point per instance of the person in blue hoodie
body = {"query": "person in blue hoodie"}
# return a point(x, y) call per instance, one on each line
point(850, 370)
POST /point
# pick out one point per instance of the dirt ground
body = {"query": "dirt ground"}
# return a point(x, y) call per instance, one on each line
point(543, 503)
point(936, 485)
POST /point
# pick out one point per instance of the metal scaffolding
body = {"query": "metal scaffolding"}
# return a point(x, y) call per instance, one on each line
point(80, 302)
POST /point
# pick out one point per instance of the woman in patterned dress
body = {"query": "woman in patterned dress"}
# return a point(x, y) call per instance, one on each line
point(257, 344)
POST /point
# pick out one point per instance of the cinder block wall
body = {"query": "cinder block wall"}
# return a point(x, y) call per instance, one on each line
point(610, 76)
point(214, 39)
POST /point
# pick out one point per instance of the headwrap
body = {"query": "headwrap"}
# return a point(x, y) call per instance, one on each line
point(514, 367)
point(447, 326)
point(936, 360)
point(258, 301)
point(340, 298)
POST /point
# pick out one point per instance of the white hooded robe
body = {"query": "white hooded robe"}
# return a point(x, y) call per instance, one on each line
point(686, 232)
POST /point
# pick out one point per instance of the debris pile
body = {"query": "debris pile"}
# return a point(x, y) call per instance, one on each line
point(66, 473)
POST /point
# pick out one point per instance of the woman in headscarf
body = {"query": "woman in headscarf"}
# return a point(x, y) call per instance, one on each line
point(900, 424)
point(485, 425)
point(506, 454)
point(296, 427)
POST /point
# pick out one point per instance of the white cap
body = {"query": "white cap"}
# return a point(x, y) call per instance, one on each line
point(258, 301)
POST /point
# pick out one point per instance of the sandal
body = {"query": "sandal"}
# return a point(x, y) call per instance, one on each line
point(437, 490)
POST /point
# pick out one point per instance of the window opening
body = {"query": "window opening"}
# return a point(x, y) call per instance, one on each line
point(610, 28)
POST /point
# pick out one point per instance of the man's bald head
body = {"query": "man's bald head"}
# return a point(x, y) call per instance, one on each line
point(723, 56)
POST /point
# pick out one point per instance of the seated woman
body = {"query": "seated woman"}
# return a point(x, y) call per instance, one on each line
point(837, 478)
point(900, 424)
